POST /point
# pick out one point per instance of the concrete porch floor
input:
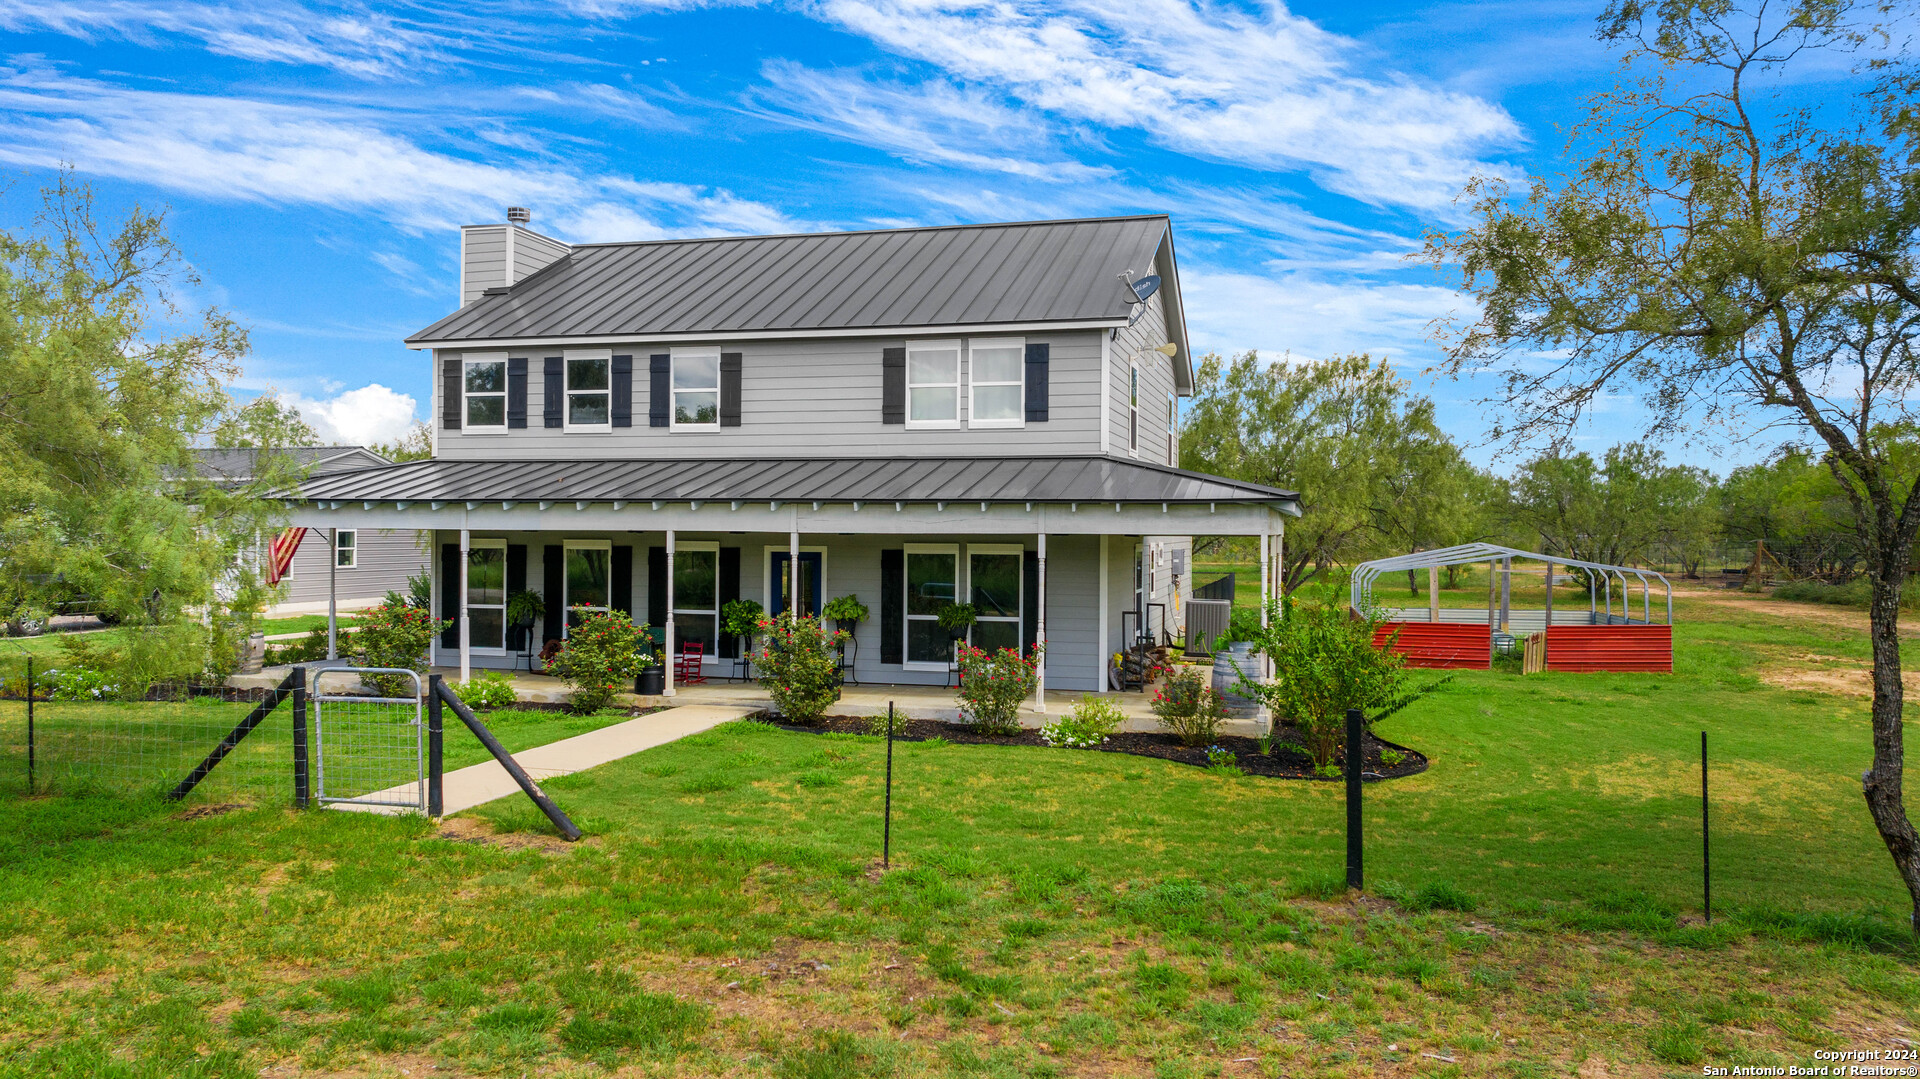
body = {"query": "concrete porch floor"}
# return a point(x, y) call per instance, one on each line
point(914, 702)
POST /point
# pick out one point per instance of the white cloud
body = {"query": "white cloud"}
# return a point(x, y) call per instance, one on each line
point(336, 156)
point(372, 413)
point(932, 123)
point(1268, 90)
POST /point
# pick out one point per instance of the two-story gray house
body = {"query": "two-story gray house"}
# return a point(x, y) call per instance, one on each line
point(910, 416)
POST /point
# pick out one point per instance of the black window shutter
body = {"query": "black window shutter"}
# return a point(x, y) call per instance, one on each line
point(622, 584)
point(1030, 600)
point(729, 591)
point(517, 397)
point(659, 397)
point(730, 389)
point(1037, 382)
point(623, 391)
point(553, 575)
point(656, 587)
point(893, 389)
point(450, 594)
point(556, 392)
point(517, 580)
point(893, 605)
point(450, 394)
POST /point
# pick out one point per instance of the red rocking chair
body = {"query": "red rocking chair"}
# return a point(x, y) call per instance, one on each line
point(686, 665)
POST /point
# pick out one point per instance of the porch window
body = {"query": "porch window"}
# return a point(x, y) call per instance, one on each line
point(933, 384)
point(932, 583)
point(589, 404)
point(589, 571)
point(1133, 409)
point(487, 594)
point(696, 593)
point(696, 389)
point(998, 380)
point(345, 554)
point(486, 392)
point(993, 587)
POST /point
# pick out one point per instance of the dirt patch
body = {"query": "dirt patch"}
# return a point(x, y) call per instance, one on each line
point(212, 809)
point(481, 832)
point(1287, 761)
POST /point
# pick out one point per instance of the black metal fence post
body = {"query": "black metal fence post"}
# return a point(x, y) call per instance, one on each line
point(436, 802)
point(30, 746)
point(302, 766)
point(886, 827)
point(1356, 752)
point(1706, 842)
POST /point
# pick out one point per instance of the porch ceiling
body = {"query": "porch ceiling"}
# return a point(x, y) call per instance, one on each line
point(916, 480)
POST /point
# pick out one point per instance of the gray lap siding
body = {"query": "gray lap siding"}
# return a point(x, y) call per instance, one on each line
point(385, 559)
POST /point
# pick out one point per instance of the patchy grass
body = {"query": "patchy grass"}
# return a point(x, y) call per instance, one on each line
point(1532, 907)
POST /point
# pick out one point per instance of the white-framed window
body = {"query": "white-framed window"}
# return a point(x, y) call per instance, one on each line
point(696, 389)
point(1173, 431)
point(933, 580)
point(346, 550)
point(487, 595)
point(1133, 408)
point(696, 594)
point(997, 383)
point(995, 587)
point(589, 577)
point(933, 384)
point(486, 391)
point(589, 397)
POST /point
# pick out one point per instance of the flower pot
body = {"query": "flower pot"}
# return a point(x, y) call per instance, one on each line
point(651, 681)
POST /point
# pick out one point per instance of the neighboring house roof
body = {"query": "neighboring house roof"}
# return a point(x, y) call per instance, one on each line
point(1027, 273)
point(239, 465)
point(843, 479)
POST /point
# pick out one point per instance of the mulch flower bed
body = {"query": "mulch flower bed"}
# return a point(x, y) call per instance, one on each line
point(1287, 761)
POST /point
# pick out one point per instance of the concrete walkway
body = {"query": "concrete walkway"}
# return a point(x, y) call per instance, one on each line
point(481, 783)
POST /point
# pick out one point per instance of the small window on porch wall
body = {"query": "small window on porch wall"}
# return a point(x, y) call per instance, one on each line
point(487, 594)
point(696, 593)
point(345, 551)
point(994, 588)
point(933, 576)
point(589, 575)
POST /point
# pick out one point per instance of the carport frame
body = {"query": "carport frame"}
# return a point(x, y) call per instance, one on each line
point(1361, 587)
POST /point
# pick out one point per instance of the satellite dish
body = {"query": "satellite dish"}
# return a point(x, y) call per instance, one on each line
point(1145, 287)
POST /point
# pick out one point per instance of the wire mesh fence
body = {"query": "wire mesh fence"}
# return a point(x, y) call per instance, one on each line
point(368, 750)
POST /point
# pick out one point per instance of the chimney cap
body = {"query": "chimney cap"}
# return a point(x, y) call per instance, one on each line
point(519, 215)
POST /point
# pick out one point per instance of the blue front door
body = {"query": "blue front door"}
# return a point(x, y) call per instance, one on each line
point(809, 583)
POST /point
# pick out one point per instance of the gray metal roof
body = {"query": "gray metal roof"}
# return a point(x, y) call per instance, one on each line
point(1028, 272)
point(883, 479)
point(240, 465)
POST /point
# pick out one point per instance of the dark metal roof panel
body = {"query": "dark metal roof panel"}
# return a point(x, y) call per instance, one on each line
point(907, 479)
point(1042, 271)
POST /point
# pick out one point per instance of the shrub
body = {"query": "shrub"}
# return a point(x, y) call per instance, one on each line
point(799, 666)
point(1188, 707)
point(82, 684)
point(307, 649)
point(992, 687)
point(395, 635)
point(490, 690)
point(1223, 760)
point(602, 653)
point(1092, 721)
point(1324, 663)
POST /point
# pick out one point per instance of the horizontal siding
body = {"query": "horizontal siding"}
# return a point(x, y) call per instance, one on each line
point(387, 557)
point(1439, 644)
point(1133, 343)
point(483, 261)
point(1610, 648)
point(804, 398)
point(532, 252)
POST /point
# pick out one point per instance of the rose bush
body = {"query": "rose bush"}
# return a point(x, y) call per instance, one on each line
point(992, 685)
point(800, 666)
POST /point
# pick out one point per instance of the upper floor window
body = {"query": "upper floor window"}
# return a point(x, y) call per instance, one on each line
point(1133, 408)
point(486, 392)
point(933, 384)
point(696, 389)
point(1173, 431)
point(589, 400)
point(346, 552)
point(998, 384)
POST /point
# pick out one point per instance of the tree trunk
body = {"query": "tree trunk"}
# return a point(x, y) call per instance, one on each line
point(1882, 785)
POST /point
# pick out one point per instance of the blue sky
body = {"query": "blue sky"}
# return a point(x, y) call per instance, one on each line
point(318, 158)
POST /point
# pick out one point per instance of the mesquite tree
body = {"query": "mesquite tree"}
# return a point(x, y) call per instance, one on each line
point(1729, 260)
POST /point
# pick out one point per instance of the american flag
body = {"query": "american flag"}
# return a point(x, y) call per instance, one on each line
point(280, 552)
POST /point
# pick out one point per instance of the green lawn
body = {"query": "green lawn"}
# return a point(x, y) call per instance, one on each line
point(300, 623)
point(1052, 912)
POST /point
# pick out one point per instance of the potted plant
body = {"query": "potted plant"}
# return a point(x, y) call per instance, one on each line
point(957, 619)
point(847, 612)
point(740, 619)
point(524, 608)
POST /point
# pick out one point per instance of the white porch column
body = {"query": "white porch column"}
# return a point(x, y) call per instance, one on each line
point(1102, 641)
point(793, 565)
point(669, 644)
point(1040, 630)
point(333, 602)
point(466, 628)
point(1266, 584)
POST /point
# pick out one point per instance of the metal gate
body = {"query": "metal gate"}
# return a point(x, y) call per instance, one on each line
point(368, 750)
